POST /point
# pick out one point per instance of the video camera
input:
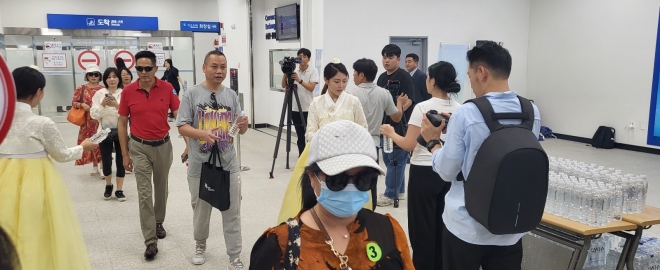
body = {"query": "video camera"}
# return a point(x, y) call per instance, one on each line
point(289, 64)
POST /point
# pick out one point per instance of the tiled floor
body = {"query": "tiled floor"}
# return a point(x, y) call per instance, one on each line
point(112, 228)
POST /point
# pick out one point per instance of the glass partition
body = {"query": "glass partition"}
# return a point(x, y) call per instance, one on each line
point(64, 67)
point(182, 48)
point(19, 51)
point(124, 47)
point(275, 69)
point(56, 64)
point(2, 47)
point(160, 46)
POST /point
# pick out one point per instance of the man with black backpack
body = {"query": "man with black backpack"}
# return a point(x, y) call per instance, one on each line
point(498, 170)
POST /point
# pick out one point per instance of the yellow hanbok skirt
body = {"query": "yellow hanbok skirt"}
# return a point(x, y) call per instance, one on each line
point(292, 201)
point(37, 213)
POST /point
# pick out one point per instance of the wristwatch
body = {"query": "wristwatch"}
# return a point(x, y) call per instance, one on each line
point(301, 81)
point(431, 144)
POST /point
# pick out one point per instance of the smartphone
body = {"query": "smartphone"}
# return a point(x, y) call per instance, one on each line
point(184, 158)
point(109, 96)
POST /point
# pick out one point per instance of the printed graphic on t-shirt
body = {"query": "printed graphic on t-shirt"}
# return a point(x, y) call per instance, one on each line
point(213, 115)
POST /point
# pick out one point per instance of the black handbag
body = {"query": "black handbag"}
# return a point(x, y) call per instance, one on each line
point(214, 182)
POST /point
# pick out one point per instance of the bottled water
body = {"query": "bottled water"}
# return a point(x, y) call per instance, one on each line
point(233, 131)
point(388, 144)
point(549, 201)
point(648, 254)
point(597, 256)
point(100, 136)
point(618, 202)
point(592, 194)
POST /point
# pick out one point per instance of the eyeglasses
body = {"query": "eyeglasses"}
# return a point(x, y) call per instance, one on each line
point(94, 74)
point(363, 181)
point(147, 68)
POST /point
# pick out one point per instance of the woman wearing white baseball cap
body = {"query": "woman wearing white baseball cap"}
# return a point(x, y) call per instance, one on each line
point(333, 230)
point(82, 98)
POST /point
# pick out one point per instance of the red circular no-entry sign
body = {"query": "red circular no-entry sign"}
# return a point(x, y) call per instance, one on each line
point(7, 99)
point(87, 58)
point(129, 58)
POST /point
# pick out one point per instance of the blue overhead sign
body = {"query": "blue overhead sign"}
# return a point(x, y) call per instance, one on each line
point(189, 26)
point(74, 21)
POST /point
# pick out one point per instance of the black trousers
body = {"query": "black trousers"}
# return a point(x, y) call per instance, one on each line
point(106, 147)
point(426, 203)
point(300, 129)
point(459, 254)
point(374, 190)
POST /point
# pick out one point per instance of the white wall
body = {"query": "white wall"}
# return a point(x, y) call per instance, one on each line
point(203, 44)
point(591, 64)
point(268, 104)
point(236, 13)
point(32, 13)
point(355, 29)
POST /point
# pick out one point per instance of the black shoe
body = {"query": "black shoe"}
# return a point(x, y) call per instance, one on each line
point(152, 250)
point(120, 195)
point(108, 192)
point(160, 231)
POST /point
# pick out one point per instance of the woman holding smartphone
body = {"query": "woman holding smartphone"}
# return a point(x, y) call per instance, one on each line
point(105, 104)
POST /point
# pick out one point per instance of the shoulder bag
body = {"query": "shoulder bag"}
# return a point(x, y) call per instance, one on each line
point(78, 116)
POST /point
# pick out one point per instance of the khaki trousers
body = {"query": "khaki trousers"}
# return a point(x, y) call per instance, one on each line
point(147, 161)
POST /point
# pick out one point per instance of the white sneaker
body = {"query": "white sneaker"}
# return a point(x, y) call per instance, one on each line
point(384, 201)
point(402, 196)
point(235, 265)
point(199, 258)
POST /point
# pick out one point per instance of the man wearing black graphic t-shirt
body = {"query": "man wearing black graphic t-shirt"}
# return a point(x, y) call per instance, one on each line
point(398, 82)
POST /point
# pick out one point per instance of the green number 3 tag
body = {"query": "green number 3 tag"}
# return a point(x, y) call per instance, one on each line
point(373, 252)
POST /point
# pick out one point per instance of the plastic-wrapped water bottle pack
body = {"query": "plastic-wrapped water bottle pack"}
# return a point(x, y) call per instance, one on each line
point(646, 258)
point(597, 258)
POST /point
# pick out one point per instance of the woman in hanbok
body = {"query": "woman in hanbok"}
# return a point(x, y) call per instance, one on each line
point(330, 106)
point(35, 207)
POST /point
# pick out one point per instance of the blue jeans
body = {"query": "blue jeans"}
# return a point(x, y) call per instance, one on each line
point(400, 158)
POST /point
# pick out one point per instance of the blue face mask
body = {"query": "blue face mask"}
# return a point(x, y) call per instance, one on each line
point(344, 203)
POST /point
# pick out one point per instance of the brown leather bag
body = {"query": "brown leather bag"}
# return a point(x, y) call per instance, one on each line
point(78, 116)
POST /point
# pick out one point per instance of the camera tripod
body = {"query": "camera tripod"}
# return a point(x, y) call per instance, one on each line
point(287, 108)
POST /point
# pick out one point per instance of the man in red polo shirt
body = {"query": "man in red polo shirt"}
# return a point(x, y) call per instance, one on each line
point(149, 151)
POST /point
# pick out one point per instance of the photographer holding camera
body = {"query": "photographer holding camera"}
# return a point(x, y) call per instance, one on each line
point(305, 79)
point(466, 243)
point(397, 81)
point(426, 190)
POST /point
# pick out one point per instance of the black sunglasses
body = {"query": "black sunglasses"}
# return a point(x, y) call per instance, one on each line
point(94, 74)
point(363, 181)
point(215, 102)
point(147, 69)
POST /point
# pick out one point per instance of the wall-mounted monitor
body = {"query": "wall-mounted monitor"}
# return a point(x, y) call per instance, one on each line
point(287, 22)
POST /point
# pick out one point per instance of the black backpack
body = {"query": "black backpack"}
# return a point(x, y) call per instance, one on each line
point(603, 138)
point(508, 182)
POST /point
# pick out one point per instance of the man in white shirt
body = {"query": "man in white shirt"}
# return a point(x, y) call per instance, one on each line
point(306, 79)
point(466, 244)
point(376, 102)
